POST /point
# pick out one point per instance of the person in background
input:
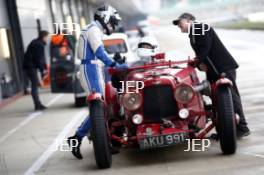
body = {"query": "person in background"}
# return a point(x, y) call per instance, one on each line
point(214, 59)
point(34, 60)
point(62, 45)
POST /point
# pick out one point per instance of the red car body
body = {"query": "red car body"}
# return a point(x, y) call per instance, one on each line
point(168, 110)
point(160, 77)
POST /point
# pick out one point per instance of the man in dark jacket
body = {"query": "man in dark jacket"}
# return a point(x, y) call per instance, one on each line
point(34, 60)
point(213, 58)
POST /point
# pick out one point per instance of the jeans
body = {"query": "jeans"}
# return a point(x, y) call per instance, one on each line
point(33, 77)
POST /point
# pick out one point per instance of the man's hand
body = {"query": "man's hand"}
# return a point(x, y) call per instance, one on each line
point(202, 67)
point(43, 73)
point(194, 63)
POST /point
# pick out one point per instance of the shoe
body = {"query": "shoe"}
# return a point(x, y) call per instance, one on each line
point(239, 134)
point(74, 143)
point(26, 92)
point(90, 138)
point(243, 133)
point(40, 108)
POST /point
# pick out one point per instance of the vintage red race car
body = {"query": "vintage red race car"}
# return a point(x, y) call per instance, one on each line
point(159, 104)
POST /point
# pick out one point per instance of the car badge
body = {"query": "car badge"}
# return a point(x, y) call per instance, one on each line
point(149, 131)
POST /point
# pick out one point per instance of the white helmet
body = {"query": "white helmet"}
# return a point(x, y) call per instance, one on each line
point(107, 15)
point(147, 47)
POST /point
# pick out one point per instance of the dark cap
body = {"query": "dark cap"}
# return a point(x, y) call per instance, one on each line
point(187, 16)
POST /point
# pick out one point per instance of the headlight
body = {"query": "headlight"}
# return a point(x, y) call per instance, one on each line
point(137, 119)
point(183, 93)
point(132, 101)
point(184, 113)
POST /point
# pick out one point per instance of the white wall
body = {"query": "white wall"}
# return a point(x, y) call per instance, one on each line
point(29, 11)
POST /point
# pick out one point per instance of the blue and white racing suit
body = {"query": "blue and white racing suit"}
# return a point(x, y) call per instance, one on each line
point(91, 50)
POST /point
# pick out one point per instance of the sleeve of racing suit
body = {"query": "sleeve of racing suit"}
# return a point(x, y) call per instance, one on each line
point(95, 38)
point(102, 55)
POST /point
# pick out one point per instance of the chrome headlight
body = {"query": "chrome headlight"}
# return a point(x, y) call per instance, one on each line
point(184, 93)
point(132, 101)
point(137, 119)
point(183, 113)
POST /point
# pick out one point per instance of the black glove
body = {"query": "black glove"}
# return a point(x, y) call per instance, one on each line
point(119, 59)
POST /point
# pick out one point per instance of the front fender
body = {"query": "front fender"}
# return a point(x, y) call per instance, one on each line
point(223, 81)
point(220, 82)
point(110, 93)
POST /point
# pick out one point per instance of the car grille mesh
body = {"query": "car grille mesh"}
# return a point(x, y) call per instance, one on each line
point(159, 102)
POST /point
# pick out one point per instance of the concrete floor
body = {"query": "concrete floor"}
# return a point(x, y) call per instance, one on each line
point(28, 138)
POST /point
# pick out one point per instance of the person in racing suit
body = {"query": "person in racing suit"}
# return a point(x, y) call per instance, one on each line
point(147, 48)
point(214, 59)
point(91, 50)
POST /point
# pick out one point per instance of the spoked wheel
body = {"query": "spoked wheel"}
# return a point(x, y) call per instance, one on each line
point(226, 125)
point(100, 138)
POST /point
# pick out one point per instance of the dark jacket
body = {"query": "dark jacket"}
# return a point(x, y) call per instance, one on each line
point(34, 57)
point(210, 50)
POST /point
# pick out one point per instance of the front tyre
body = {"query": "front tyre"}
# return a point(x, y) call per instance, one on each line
point(99, 134)
point(226, 120)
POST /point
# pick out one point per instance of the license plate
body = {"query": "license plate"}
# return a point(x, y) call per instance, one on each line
point(162, 140)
